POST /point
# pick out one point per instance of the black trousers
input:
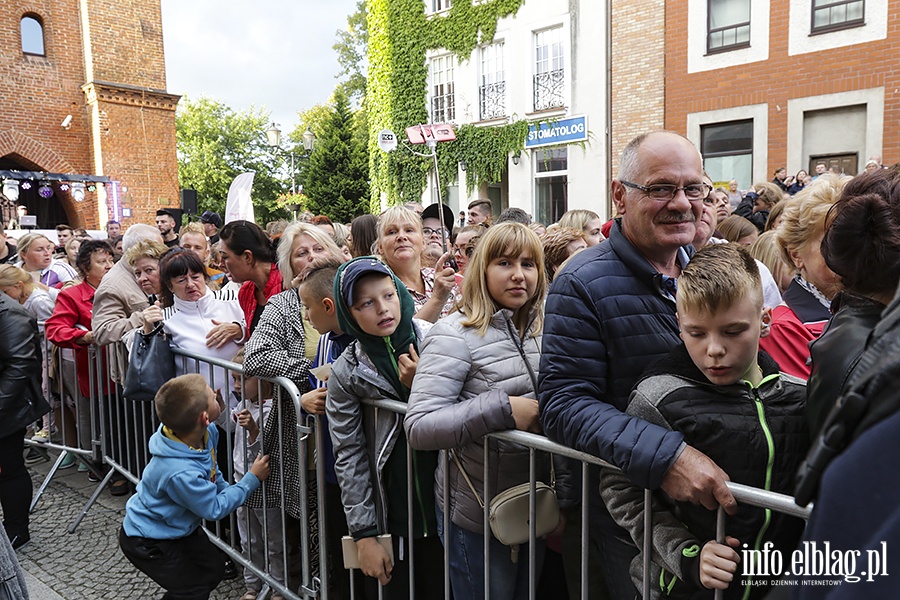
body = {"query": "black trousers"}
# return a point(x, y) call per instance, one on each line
point(15, 484)
point(189, 568)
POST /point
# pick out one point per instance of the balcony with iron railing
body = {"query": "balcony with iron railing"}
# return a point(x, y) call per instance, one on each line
point(492, 101)
point(550, 90)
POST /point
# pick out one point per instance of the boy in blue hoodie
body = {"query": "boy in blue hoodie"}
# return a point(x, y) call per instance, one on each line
point(161, 534)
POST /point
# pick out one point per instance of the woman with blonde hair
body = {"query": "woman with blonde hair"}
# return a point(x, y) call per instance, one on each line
point(284, 344)
point(807, 298)
point(766, 250)
point(36, 257)
point(559, 244)
point(738, 229)
point(18, 285)
point(586, 221)
point(477, 375)
point(401, 244)
point(800, 236)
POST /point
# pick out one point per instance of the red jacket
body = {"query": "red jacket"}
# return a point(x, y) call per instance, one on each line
point(70, 320)
point(788, 342)
point(247, 295)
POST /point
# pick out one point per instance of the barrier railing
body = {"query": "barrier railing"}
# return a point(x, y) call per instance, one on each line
point(120, 428)
point(538, 443)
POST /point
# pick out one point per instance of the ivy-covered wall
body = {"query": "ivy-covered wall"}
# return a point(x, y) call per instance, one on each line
point(400, 34)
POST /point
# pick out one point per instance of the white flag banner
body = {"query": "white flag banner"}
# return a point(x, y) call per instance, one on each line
point(239, 205)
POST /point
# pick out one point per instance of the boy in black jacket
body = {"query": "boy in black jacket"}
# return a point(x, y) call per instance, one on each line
point(731, 402)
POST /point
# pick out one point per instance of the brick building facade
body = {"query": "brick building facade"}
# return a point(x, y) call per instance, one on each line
point(783, 83)
point(102, 62)
point(638, 71)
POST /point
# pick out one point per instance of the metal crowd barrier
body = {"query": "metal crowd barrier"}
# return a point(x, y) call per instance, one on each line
point(118, 444)
point(120, 429)
point(538, 443)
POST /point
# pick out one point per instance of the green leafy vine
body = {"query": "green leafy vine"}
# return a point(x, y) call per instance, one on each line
point(400, 34)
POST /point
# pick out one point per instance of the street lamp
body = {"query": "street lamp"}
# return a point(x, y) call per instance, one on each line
point(273, 136)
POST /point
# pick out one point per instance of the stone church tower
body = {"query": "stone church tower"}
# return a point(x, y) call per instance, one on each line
point(85, 101)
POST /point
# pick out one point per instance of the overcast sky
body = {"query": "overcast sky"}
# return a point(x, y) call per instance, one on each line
point(270, 53)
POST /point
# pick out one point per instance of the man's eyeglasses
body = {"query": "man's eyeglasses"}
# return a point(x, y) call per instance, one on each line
point(428, 231)
point(664, 192)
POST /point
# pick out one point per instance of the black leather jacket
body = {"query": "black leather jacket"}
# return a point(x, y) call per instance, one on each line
point(21, 399)
point(835, 354)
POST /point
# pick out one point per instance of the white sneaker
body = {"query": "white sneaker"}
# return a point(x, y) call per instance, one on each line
point(42, 436)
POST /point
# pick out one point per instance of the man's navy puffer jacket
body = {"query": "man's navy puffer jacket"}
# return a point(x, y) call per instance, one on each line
point(607, 319)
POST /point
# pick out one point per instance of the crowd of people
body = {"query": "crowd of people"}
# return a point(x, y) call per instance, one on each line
point(696, 338)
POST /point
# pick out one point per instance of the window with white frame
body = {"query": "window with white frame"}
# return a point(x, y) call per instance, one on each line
point(549, 71)
point(727, 150)
point(492, 92)
point(443, 102)
point(551, 180)
point(728, 25)
point(439, 5)
point(828, 15)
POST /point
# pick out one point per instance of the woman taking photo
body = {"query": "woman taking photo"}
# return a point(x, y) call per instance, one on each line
point(401, 244)
point(476, 375)
point(249, 259)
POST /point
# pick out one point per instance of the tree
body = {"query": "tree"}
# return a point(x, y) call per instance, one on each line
point(351, 48)
point(336, 178)
point(216, 144)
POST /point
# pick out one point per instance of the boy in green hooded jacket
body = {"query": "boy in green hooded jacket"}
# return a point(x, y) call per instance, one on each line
point(369, 444)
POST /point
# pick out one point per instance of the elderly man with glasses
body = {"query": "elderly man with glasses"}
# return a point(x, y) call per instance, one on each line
point(609, 315)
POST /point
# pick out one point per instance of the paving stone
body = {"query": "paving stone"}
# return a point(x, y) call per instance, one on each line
point(87, 565)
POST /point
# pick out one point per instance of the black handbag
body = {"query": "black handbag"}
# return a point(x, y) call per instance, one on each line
point(150, 365)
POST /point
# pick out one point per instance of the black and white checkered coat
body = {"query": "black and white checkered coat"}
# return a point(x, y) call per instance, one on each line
point(277, 349)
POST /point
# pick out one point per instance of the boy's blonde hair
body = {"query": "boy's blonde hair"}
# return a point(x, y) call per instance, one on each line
point(717, 277)
point(181, 401)
point(194, 227)
point(511, 240)
point(319, 278)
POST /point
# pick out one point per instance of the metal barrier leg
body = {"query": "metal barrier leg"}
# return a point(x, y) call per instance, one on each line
point(720, 538)
point(46, 481)
point(90, 502)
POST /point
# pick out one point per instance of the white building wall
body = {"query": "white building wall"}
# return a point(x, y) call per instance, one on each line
point(583, 34)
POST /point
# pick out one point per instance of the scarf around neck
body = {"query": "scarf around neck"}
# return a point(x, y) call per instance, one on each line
point(384, 352)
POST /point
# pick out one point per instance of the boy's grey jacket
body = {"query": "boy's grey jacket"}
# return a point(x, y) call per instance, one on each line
point(469, 379)
point(363, 436)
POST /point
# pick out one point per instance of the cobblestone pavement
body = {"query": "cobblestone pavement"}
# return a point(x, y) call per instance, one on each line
point(87, 565)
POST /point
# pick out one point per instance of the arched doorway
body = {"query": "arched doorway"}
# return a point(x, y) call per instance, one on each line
point(49, 211)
